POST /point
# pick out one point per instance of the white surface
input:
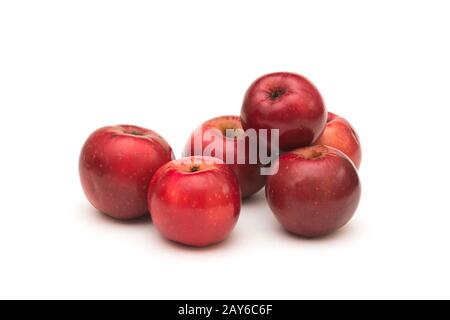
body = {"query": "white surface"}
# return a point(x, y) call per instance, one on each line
point(67, 68)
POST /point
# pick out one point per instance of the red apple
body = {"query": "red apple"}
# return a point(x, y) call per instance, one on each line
point(315, 192)
point(116, 165)
point(248, 174)
point(194, 201)
point(288, 102)
point(340, 134)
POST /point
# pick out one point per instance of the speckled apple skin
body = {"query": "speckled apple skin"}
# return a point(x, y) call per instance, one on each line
point(116, 166)
point(340, 134)
point(194, 208)
point(314, 197)
point(249, 175)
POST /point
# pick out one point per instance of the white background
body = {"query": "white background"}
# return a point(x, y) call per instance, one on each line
point(69, 67)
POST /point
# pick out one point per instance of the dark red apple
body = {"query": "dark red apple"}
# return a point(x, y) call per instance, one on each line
point(315, 192)
point(288, 102)
point(248, 173)
point(340, 134)
point(116, 165)
point(194, 201)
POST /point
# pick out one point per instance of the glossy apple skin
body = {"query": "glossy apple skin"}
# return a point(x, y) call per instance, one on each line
point(116, 165)
point(249, 175)
point(288, 102)
point(340, 134)
point(194, 208)
point(314, 196)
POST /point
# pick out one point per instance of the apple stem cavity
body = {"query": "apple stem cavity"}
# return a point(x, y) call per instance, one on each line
point(195, 168)
point(312, 153)
point(315, 154)
point(136, 133)
point(277, 93)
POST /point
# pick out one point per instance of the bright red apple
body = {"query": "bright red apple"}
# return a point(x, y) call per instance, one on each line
point(288, 102)
point(248, 174)
point(315, 192)
point(116, 165)
point(340, 134)
point(194, 201)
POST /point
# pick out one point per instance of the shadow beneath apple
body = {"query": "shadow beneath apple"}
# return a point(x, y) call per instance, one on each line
point(104, 218)
point(256, 198)
point(340, 234)
point(210, 248)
